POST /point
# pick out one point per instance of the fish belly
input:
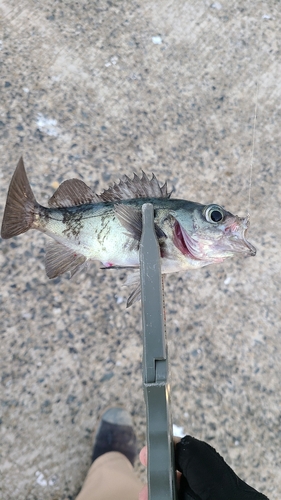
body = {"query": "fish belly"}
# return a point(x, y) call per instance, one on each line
point(97, 236)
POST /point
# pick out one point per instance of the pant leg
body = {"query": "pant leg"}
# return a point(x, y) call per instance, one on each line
point(111, 477)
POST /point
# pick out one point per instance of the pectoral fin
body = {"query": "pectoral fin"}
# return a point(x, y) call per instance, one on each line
point(131, 219)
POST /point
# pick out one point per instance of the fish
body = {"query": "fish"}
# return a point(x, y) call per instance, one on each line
point(107, 227)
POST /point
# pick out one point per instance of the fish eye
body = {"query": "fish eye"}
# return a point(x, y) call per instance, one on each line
point(214, 213)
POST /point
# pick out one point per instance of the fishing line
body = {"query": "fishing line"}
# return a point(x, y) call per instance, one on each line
point(254, 135)
point(253, 149)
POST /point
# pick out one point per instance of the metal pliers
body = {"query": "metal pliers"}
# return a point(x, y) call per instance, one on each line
point(161, 468)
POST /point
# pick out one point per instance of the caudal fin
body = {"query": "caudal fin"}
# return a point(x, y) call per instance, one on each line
point(20, 205)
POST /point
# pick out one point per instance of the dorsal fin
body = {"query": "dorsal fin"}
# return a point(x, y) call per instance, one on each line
point(73, 192)
point(138, 187)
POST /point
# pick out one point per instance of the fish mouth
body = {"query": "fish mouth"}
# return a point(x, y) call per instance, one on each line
point(235, 232)
point(211, 247)
point(244, 246)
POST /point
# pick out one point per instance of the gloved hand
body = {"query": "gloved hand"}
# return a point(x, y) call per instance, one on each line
point(206, 476)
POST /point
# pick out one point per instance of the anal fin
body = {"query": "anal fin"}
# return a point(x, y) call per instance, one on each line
point(133, 279)
point(60, 259)
point(134, 296)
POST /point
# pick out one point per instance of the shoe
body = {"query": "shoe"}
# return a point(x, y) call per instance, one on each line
point(116, 433)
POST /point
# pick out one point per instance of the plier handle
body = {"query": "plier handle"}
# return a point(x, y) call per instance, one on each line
point(161, 468)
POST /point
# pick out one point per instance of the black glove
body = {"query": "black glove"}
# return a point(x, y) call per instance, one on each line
point(206, 476)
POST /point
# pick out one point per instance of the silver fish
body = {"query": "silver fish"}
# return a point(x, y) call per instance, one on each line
point(107, 227)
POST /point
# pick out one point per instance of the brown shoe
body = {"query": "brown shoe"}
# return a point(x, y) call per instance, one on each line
point(116, 433)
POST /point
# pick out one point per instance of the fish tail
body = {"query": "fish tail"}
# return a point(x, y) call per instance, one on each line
point(21, 205)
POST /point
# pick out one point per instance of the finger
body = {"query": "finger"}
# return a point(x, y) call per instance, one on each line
point(143, 495)
point(143, 452)
point(178, 479)
point(143, 456)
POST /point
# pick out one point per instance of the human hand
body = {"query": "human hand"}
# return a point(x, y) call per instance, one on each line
point(143, 495)
point(204, 474)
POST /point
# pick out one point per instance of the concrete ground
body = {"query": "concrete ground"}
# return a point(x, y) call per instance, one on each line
point(94, 90)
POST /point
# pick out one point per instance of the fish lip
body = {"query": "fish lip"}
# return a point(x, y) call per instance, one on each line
point(242, 245)
point(251, 248)
point(239, 227)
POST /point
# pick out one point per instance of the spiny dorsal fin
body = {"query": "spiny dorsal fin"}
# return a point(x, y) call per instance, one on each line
point(138, 187)
point(73, 192)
